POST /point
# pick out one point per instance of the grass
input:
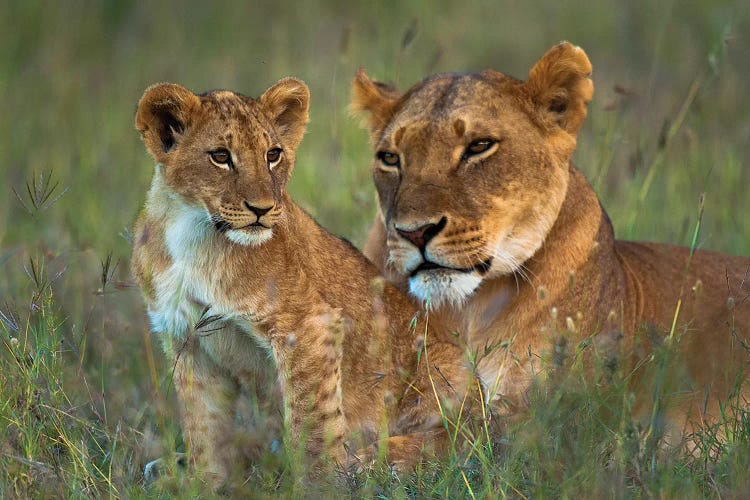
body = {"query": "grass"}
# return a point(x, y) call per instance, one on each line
point(85, 397)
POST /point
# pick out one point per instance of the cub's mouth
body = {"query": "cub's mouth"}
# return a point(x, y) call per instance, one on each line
point(428, 265)
point(253, 234)
point(223, 226)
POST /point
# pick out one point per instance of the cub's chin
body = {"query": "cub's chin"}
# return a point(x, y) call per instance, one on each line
point(249, 237)
point(439, 287)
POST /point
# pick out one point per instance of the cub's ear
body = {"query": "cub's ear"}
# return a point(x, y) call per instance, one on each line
point(164, 113)
point(287, 103)
point(377, 99)
point(560, 86)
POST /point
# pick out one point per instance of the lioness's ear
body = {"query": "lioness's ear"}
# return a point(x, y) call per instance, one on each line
point(287, 103)
point(164, 113)
point(560, 86)
point(377, 99)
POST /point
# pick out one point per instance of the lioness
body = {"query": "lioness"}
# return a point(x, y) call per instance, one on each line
point(220, 238)
point(483, 216)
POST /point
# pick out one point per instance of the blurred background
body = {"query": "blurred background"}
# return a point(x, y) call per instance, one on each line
point(670, 120)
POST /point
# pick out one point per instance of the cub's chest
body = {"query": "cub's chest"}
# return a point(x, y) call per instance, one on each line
point(181, 298)
point(184, 289)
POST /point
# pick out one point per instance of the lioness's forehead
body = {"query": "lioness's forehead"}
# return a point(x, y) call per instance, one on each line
point(443, 99)
point(436, 97)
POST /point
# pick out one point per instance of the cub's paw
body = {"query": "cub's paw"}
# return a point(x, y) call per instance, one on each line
point(161, 466)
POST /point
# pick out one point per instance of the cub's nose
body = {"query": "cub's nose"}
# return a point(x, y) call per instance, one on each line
point(258, 211)
point(422, 235)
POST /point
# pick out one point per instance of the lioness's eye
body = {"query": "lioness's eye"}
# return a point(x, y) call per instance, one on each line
point(478, 146)
point(221, 158)
point(389, 159)
point(273, 156)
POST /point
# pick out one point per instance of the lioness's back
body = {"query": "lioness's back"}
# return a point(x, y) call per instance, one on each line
point(714, 314)
point(709, 280)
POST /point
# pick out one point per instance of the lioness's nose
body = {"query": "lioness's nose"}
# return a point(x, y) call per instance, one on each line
point(423, 234)
point(258, 211)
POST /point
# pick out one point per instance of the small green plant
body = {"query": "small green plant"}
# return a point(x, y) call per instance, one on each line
point(40, 194)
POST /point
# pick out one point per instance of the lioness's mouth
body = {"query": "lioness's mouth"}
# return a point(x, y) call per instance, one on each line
point(254, 225)
point(427, 265)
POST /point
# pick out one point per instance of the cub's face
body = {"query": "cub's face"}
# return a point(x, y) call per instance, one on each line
point(471, 170)
point(226, 153)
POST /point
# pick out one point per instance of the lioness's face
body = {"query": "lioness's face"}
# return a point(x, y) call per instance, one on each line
point(471, 172)
point(225, 153)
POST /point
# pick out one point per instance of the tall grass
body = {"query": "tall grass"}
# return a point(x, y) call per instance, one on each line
point(85, 396)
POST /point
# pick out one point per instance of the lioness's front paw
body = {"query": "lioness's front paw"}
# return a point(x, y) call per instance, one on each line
point(360, 461)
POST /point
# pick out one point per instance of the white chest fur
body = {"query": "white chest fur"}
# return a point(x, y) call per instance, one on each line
point(183, 290)
point(197, 254)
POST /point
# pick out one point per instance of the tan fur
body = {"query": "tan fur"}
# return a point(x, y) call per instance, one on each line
point(340, 339)
point(536, 250)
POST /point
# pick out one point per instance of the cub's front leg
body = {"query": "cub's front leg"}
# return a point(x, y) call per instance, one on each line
point(207, 395)
point(310, 366)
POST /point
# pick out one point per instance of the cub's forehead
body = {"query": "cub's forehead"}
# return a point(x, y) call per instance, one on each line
point(234, 121)
point(232, 108)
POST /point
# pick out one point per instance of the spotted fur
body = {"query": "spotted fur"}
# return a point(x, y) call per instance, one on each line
point(341, 343)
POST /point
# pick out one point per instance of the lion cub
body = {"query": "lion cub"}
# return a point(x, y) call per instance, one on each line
point(220, 238)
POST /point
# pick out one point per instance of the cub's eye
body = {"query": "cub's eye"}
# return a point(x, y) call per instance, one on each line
point(477, 147)
point(389, 159)
point(274, 157)
point(221, 158)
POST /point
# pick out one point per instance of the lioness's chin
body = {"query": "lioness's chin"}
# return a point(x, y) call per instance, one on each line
point(441, 287)
point(250, 238)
